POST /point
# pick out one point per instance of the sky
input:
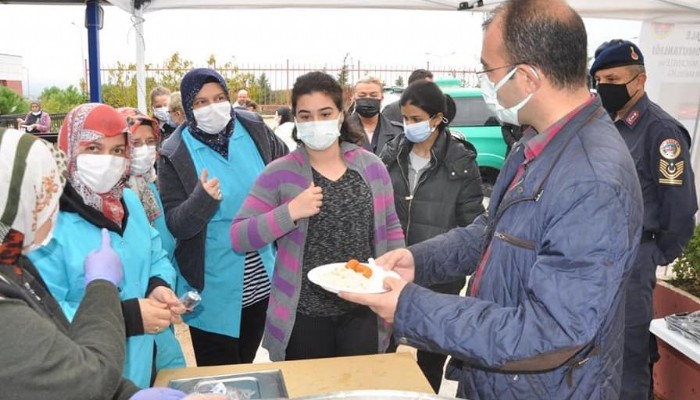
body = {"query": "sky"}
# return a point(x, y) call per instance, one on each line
point(54, 43)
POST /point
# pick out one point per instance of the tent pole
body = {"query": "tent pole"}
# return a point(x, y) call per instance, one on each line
point(140, 64)
point(93, 23)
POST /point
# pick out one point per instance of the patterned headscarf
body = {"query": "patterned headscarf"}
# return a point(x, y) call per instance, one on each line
point(32, 176)
point(191, 84)
point(84, 124)
point(140, 184)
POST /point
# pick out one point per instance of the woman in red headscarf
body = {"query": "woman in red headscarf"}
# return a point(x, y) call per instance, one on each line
point(98, 146)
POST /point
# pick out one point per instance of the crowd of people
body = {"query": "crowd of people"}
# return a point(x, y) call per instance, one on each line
point(101, 234)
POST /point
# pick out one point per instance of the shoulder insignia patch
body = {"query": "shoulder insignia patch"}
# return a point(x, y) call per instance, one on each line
point(670, 149)
point(632, 118)
point(671, 173)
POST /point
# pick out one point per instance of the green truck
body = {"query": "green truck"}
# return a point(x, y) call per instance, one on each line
point(479, 126)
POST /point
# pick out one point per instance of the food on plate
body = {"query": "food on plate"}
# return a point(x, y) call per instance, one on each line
point(352, 264)
point(342, 278)
point(355, 265)
point(345, 277)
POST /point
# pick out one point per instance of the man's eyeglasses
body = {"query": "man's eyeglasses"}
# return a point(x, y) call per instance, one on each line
point(486, 71)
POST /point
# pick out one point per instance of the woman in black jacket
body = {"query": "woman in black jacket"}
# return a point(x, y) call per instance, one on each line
point(437, 185)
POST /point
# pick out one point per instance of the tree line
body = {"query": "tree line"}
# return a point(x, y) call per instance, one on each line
point(119, 88)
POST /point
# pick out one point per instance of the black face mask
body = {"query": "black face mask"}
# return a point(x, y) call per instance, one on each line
point(614, 96)
point(367, 106)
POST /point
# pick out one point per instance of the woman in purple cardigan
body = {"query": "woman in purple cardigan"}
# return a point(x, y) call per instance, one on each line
point(328, 201)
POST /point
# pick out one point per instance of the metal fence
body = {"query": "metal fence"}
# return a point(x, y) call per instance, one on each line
point(10, 121)
point(280, 77)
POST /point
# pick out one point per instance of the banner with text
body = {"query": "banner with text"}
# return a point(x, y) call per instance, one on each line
point(672, 60)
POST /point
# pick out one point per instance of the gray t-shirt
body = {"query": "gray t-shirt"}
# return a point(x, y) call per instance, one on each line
point(416, 166)
point(341, 231)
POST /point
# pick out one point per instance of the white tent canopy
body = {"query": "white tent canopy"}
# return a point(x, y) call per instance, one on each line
point(683, 14)
point(670, 11)
point(678, 11)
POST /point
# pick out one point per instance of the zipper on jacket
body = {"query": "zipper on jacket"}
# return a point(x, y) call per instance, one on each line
point(409, 198)
point(491, 228)
point(515, 241)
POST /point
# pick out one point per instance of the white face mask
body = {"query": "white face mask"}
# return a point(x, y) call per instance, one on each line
point(142, 160)
point(100, 172)
point(489, 92)
point(319, 135)
point(213, 118)
point(161, 113)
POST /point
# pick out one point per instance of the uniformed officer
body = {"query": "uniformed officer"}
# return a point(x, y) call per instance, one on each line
point(660, 147)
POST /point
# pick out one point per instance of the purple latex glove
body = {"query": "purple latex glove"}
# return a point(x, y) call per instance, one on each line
point(158, 393)
point(103, 263)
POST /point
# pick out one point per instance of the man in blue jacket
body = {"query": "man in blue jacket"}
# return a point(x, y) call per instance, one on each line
point(660, 147)
point(544, 318)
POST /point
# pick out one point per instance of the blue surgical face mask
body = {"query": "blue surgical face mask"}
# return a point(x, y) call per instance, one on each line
point(170, 122)
point(418, 132)
point(489, 91)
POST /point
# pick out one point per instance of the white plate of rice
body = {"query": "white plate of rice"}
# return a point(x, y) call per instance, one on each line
point(336, 277)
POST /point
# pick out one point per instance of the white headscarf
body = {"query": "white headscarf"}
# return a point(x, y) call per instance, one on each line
point(32, 176)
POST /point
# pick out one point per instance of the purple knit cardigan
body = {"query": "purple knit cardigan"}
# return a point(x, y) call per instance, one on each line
point(264, 218)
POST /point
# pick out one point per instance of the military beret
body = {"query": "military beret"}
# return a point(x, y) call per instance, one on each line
point(616, 53)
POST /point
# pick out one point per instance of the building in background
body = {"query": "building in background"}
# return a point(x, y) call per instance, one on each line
point(12, 73)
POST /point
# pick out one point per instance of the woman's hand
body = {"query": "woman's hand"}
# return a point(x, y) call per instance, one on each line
point(212, 186)
point(307, 203)
point(155, 315)
point(165, 295)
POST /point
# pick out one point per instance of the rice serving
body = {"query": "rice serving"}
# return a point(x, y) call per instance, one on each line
point(343, 278)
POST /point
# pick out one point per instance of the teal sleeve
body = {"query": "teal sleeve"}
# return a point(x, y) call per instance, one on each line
point(51, 264)
point(161, 266)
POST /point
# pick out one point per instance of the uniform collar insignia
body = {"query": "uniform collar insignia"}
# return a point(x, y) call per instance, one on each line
point(632, 117)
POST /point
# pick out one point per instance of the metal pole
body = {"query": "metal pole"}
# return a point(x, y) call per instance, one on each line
point(83, 61)
point(92, 23)
point(140, 63)
point(288, 98)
